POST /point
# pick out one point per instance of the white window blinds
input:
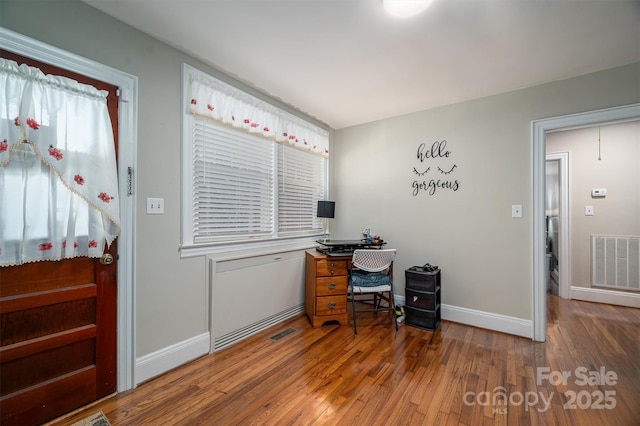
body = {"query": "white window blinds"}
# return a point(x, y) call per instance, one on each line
point(300, 178)
point(233, 193)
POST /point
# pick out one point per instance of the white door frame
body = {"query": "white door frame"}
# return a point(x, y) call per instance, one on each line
point(564, 245)
point(538, 148)
point(127, 149)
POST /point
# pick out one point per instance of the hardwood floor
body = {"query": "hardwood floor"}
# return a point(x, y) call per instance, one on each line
point(459, 375)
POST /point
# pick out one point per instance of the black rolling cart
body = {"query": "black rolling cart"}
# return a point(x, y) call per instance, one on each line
point(422, 297)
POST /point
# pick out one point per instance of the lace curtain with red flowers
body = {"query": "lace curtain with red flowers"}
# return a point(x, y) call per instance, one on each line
point(58, 177)
point(216, 100)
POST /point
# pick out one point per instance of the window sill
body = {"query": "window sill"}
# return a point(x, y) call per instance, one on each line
point(247, 249)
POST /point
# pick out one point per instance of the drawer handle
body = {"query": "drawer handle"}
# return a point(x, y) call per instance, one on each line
point(331, 286)
point(331, 305)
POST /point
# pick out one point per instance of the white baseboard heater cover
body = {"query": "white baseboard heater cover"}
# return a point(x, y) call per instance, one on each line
point(250, 294)
point(615, 262)
point(229, 339)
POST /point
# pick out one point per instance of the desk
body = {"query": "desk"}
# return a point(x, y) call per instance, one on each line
point(325, 294)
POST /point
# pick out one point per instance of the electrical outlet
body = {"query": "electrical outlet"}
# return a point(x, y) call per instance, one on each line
point(155, 205)
point(516, 210)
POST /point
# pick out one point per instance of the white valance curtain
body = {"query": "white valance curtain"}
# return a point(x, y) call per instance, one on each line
point(212, 98)
point(58, 178)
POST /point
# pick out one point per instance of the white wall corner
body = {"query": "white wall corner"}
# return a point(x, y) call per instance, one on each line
point(165, 359)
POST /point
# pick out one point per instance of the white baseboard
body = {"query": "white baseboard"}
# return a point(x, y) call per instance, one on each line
point(488, 320)
point(611, 297)
point(165, 359)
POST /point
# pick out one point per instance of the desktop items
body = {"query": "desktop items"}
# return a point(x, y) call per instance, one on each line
point(347, 247)
point(368, 238)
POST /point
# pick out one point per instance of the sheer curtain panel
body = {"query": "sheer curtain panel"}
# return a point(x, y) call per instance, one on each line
point(58, 177)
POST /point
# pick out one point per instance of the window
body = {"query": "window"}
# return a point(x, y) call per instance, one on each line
point(232, 183)
point(301, 178)
point(251, 172)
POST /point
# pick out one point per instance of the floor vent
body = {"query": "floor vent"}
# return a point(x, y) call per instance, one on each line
point(282, 334)
point(232, 337)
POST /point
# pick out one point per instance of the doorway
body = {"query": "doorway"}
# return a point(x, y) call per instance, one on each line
point(557, 223)
point(539, 130)
point(127, 148)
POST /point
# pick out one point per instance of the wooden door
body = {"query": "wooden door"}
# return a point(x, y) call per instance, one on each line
point(57, 323)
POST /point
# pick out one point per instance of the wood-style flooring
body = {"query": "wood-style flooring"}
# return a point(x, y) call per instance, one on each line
point(458, 375)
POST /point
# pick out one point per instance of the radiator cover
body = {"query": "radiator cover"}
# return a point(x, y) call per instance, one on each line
point(249, 294)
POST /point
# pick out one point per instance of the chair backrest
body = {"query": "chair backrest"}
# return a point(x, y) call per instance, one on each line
point(374, 260)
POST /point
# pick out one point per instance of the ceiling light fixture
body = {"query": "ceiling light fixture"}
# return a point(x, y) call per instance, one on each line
point(405, 8)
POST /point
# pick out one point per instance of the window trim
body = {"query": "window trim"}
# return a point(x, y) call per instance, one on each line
point(188, 248)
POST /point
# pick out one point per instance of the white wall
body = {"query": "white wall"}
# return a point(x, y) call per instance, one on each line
point(484, 253)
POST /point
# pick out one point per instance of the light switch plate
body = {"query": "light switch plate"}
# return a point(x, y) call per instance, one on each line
point(155, 205)
point(516, 210)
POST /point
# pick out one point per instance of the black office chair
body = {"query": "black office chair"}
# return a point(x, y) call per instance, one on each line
point(370, 274)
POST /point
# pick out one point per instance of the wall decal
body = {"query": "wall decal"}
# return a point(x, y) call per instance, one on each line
point(449, 172)
point(435, 153)
point(423, 173)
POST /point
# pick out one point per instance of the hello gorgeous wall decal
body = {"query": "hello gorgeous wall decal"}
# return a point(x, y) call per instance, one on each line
point(425, 155)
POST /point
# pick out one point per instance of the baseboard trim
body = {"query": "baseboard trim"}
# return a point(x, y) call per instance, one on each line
point(165, 359)
point(488, 320)
point(611, 297)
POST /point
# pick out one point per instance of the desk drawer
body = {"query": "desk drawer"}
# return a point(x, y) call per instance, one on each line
point(331, 305)
point(330, 286)
point(330, 268)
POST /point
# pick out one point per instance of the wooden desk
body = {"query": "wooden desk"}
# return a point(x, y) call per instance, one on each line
point(325, 295)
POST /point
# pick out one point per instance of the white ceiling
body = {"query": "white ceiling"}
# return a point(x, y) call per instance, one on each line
point(345, 62)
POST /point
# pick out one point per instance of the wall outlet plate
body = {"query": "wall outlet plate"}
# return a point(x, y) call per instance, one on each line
point(155, 205)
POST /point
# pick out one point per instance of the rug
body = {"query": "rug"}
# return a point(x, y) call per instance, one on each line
point(96, 419)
